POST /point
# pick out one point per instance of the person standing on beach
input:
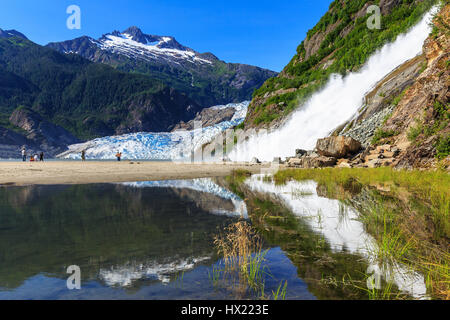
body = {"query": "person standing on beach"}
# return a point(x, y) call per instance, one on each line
point(24, 154)
point(118, 156)
point(83, 155)
point(41, 156)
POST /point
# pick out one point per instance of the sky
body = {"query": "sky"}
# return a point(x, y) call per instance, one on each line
point(262, 33)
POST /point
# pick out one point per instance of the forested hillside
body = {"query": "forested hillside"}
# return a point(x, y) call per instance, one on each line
point(340, 43)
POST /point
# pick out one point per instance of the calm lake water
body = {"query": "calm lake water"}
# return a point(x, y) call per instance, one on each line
point(155, 240)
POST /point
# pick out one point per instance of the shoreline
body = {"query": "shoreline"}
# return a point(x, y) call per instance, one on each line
point(18, 173)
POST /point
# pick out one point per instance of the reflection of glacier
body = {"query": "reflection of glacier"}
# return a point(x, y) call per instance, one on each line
point(125, 275)
point(341, 228)
point(156, 146)
point(205, 185)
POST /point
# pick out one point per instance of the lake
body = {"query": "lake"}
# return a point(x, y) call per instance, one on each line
point(155, 240)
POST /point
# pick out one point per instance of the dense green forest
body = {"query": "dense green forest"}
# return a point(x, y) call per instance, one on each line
point(88, 99)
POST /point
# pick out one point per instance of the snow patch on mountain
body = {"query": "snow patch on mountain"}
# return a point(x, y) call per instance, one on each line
point(153, 47)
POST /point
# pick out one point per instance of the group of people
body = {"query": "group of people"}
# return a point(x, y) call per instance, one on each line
point(34, 157)
point(40, 157)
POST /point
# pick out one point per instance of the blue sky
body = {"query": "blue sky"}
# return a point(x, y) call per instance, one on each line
point(263, 33)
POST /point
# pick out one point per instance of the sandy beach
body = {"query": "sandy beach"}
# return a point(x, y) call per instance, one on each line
point(77, 172)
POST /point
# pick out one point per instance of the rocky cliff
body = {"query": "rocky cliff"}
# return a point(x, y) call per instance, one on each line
point(420, 122)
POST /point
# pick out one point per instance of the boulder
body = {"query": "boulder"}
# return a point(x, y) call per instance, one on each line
point(337, 147)
point(295, 162)
point(318, 162)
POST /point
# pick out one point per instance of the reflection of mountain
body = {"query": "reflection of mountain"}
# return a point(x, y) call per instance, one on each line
point(124, 275)
point(102, 228)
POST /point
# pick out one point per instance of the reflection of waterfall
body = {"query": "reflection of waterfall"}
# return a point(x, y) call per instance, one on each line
point(341, 228)
point(336, 103)
point(124, 275)
point(204, 185)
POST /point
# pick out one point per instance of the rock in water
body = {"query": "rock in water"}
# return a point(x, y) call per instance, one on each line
point(337, 147)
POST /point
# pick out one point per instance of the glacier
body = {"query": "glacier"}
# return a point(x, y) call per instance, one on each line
point(164, 146)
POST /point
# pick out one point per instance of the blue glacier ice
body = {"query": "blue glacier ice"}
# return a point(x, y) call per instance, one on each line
point(156, 146)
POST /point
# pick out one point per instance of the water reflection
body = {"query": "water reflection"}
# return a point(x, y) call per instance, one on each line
point(117, 234)
point(341, 227)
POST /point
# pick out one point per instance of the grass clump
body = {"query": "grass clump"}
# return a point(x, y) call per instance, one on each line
point(243, 258)
point(443, 147)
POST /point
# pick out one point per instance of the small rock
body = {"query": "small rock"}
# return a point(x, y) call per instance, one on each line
point(344, 165)
point(255, 161)
point(300, 153)
point(383, 148)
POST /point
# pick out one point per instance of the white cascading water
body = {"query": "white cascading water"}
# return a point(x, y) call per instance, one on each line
point(336, 103)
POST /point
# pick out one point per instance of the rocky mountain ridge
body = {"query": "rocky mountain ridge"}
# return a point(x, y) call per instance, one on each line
point(201, 76)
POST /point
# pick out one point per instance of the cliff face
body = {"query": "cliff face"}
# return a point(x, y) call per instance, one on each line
point(408, 111)
point(340, 43)
point(420, 122)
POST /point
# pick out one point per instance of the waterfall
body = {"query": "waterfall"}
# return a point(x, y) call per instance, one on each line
point(337, 102)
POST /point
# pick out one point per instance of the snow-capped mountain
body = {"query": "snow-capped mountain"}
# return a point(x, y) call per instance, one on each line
point(132, 43)
point(202, 76)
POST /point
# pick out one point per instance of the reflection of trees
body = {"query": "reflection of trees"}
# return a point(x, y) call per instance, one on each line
point(44, 229)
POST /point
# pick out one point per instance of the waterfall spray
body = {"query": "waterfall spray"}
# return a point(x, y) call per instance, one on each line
point(336, 103)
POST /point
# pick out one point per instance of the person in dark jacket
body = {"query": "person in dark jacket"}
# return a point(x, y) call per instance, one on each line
point(41, 156)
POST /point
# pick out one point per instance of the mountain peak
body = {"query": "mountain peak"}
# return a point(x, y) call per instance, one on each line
point(136, 34)
point(11, 33)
